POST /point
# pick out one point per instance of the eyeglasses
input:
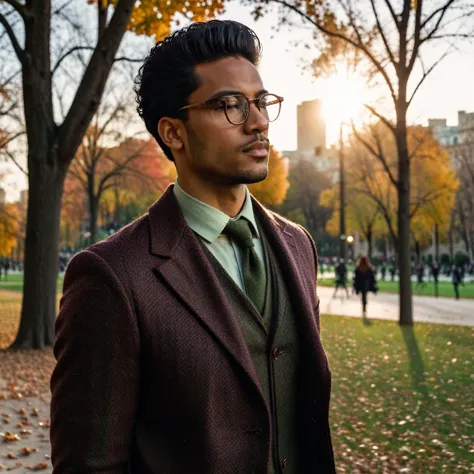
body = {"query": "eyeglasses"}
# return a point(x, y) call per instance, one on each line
point(237, 107)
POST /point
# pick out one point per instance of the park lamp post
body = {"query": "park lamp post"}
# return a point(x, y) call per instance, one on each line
point(342, 199)
point(350, 241)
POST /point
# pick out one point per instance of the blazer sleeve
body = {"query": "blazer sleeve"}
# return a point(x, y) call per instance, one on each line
point(95, 382)
point(315, 266)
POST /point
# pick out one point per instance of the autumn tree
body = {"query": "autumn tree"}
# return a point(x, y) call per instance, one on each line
point(373, 170)
point(392, 36)
point(362, 213)
point(42, 49)
point(462, 155)
point(131, 164)
point(272, 191)
point(301, 205)
point(9, 228)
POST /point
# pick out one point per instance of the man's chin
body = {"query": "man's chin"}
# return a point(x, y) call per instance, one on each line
point(253, 176)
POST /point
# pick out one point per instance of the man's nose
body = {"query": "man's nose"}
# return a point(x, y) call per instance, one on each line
point(256, 121)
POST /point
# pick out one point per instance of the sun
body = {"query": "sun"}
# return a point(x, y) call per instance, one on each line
point(343, 100)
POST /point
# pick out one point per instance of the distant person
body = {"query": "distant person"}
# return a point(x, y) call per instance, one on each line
point(393, 272)
point(364, 280)
point(435, 270)
point(456, 279)
point(6, 266)
point(420, 274)
point(383, 271)
point(341, 277)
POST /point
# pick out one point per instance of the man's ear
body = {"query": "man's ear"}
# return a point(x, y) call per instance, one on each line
point(171, 132)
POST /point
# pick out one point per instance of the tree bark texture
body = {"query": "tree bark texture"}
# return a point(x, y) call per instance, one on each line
point(41, 259)
point(403, 251)
point(51, 148)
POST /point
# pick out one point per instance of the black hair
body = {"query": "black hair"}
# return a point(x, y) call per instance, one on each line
point(167, 77)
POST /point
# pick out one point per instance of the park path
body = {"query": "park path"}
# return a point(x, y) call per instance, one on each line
point(28, 420)
point(426, 309)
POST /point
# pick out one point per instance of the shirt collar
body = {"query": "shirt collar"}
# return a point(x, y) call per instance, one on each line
point(207, 221)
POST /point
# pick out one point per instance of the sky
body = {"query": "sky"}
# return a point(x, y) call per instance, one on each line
point(446, 91)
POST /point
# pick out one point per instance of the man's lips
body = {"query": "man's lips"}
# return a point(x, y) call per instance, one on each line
point(259, 149)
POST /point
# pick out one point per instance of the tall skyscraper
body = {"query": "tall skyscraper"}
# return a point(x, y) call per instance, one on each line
point(311, 127)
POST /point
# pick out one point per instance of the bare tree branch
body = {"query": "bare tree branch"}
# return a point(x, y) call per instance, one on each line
point(384, 119)
point(359, 46)
point(19, 8)
point(130, 60)
point(441, 11)
point(68, 53)
point(14, 161)
point(20, 53)
point(377, 154)
point(425, 75)
point(382, 34)
point(392, 13)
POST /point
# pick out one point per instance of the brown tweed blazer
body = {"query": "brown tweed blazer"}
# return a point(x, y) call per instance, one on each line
point(153, 375)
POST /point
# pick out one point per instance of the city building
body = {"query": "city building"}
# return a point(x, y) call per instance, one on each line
point(311, 135)
point(449, 135)
point(24, 197)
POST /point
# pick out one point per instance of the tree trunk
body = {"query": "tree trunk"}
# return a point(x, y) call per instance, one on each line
point(369, 244)
point(417, 251)
point(93, 209)
point(436, 243)
point(403, 250)
point(41, 257)
point(342, 200)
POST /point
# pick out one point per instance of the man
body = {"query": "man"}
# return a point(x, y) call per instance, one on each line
point(189, 341)
point(341, 277)
point(456, 279)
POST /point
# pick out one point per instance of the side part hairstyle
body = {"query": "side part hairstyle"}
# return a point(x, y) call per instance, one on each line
point(167, 77)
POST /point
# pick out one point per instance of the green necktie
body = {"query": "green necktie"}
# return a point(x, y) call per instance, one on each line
point(253, 269)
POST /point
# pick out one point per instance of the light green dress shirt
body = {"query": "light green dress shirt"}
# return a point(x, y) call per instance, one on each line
point(208, 223)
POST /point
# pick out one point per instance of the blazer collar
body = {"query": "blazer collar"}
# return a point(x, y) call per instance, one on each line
point(186, 270)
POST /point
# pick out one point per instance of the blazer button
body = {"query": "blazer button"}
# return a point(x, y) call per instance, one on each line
point(284, 463)
point(276, 353)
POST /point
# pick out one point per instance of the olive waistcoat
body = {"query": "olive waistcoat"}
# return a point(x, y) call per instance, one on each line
point(271, 338)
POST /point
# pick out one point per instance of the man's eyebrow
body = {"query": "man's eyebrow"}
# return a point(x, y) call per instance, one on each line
point(228, 92)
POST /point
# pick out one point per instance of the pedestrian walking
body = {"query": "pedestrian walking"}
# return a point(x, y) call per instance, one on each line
point(393, 272)
point(456, 279)
point(383, 271)
point(364, 280)
point(420, 274)
point(435, 274)
point(189, 341)
point(341, 277)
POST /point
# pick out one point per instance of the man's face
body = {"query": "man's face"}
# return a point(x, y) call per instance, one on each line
point(216, 150)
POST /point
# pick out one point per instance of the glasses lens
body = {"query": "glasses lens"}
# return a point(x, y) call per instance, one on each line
point(269, 106)
point(237, 109)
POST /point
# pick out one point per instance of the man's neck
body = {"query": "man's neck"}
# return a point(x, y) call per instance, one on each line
point(228, 199)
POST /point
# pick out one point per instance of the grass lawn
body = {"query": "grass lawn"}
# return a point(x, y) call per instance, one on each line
point(445, 288)
point(14, 282)
point(401, 399)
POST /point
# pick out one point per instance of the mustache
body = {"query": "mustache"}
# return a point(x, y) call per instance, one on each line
point(257, 139)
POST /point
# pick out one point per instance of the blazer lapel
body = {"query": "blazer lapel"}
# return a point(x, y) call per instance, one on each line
point(187, 272)
point(287, 252)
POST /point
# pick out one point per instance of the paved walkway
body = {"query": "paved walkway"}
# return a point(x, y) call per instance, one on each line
point(27, 421)
point(385, 306)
